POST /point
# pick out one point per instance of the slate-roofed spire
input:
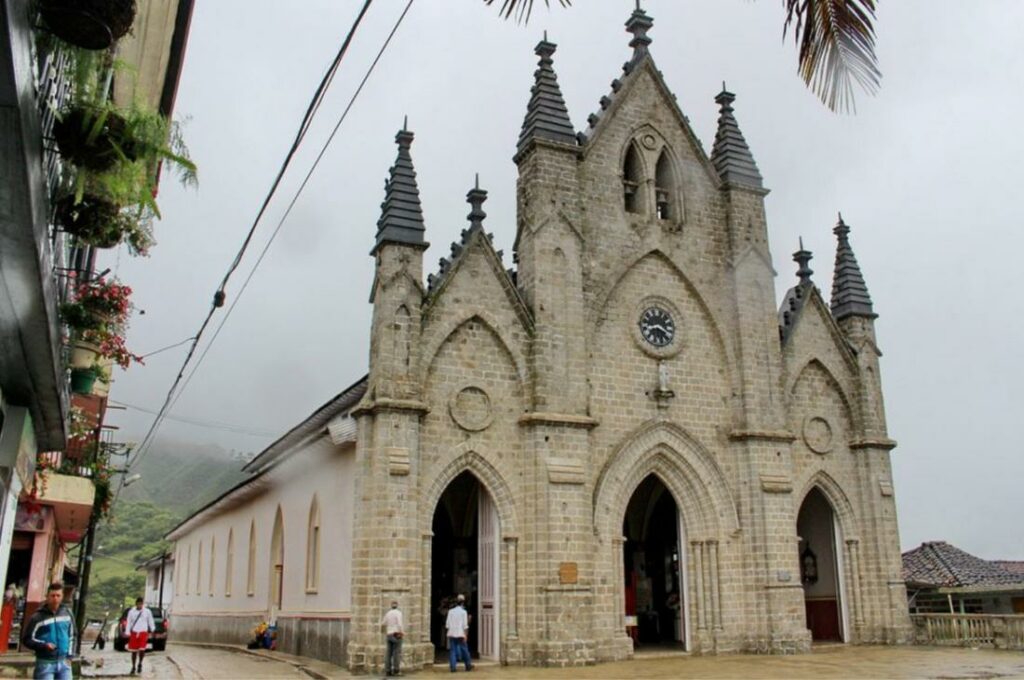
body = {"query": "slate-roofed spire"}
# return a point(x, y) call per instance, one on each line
point(849, 292)
point(401, 219)
point(731, 156)
point(546, 115)
point(638, 24)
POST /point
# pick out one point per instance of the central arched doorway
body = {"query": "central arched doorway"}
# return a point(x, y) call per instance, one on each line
point(464, 560)
point(655, 586)
point(820, 568)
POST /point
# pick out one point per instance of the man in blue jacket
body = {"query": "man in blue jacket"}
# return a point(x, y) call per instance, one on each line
point(50, 633)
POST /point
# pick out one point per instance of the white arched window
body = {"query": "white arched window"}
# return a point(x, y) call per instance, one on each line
point(313, 547)
point(250, 578)
point(229, 566)
point(199, 571)
point(213, 561)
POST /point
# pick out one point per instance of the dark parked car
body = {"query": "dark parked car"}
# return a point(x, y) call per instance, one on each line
point(157, 639)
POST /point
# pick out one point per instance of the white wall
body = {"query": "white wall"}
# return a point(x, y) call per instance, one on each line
point(152, 594)
point(317, 467)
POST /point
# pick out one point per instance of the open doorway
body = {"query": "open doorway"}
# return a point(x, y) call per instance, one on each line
point(820, 568)
point(465, 562)
point(652, 554)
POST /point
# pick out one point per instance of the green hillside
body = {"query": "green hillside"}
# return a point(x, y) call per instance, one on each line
point(177, 479)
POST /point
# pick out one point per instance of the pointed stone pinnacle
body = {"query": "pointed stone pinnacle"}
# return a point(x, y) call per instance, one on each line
point(803, 258)
point(476, 198)
point(638, 24)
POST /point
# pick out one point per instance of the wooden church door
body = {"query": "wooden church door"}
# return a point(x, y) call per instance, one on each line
point(488, 574)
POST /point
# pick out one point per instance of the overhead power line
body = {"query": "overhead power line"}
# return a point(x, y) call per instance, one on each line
point(210, 424)
point(219, 297)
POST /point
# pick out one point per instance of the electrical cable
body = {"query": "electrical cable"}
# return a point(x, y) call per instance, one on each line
point(164, 349)
point(220, 295)
point(145, 446)
point(211, 424)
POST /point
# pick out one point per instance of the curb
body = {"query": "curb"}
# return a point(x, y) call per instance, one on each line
point(264, 654)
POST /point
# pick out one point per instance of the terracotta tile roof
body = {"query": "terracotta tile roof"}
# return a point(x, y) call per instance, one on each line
point(940, 564)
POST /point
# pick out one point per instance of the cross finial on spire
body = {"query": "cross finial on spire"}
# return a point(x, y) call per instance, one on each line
point(405, 123)
point(638, 24)
point(476, 198)
point(803, 258)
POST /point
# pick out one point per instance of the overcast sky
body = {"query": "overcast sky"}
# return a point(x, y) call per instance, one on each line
point(928, 174)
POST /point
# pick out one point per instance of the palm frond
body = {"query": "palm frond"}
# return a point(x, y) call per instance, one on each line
point(521, 9)
point(837, 48)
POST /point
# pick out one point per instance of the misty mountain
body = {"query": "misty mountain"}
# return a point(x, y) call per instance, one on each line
point(181, 477)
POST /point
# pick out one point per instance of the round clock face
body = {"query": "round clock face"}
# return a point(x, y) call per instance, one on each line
point(657, 326)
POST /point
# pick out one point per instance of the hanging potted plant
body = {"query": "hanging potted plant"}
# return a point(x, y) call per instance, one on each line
point(83, 380)
point(90, 24)
point(92, 136)
point(100, 223)
point(97, 306)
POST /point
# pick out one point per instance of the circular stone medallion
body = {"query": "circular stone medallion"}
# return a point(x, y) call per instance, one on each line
point(470, 408)
point(818, 434)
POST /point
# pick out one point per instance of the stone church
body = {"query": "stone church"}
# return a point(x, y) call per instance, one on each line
point(620, 443)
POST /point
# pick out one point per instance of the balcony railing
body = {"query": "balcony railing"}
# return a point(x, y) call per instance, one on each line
point(1002, 631)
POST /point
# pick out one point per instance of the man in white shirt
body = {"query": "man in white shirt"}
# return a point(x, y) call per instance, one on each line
point(392, 623)
point(138, 625)
point(458, 626)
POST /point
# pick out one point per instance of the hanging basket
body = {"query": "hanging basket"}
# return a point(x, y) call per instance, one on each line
point(90, 24)
point(79, 144)
point(92, 220)
point(83, 380)
point(84, 354)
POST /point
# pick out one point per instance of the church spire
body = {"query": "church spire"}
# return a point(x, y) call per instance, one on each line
point(546, 115)
point(731, 156)
point(638, 24)
point(849, 292)
point(401, 219)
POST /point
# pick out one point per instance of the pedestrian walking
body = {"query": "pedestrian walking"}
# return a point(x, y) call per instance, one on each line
point(50, 633)
point(392, 624)
point(139, 624)
point(458, 627)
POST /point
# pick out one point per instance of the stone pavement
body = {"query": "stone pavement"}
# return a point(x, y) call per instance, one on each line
point(192, 662)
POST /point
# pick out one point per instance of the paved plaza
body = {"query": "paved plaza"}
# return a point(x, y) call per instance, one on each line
point(189, 662)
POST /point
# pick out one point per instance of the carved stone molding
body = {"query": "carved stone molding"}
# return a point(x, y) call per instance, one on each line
point(471, 408)
point(818, 434)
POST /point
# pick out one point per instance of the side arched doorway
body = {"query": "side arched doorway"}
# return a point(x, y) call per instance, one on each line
point(821, 568)
point(653, 561)
point(464, 561)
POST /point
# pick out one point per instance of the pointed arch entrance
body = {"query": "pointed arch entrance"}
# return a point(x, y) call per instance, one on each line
point(276, 589)
point(465, 561)
point(821, 571)
point(653, 560)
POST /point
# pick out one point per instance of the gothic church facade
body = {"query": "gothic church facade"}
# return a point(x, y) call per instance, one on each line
point(623, 442)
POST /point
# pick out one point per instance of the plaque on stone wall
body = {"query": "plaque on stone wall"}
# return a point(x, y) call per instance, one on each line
point(818, 434)
point(568, 573)
point(470, 408)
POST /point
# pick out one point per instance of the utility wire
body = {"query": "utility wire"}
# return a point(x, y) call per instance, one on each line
point(164, 349)
point(172, 398)
point(211, 424)
point(219, 296)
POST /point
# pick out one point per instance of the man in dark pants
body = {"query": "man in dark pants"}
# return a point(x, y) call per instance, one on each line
point(50, 633)
point(393, 628)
